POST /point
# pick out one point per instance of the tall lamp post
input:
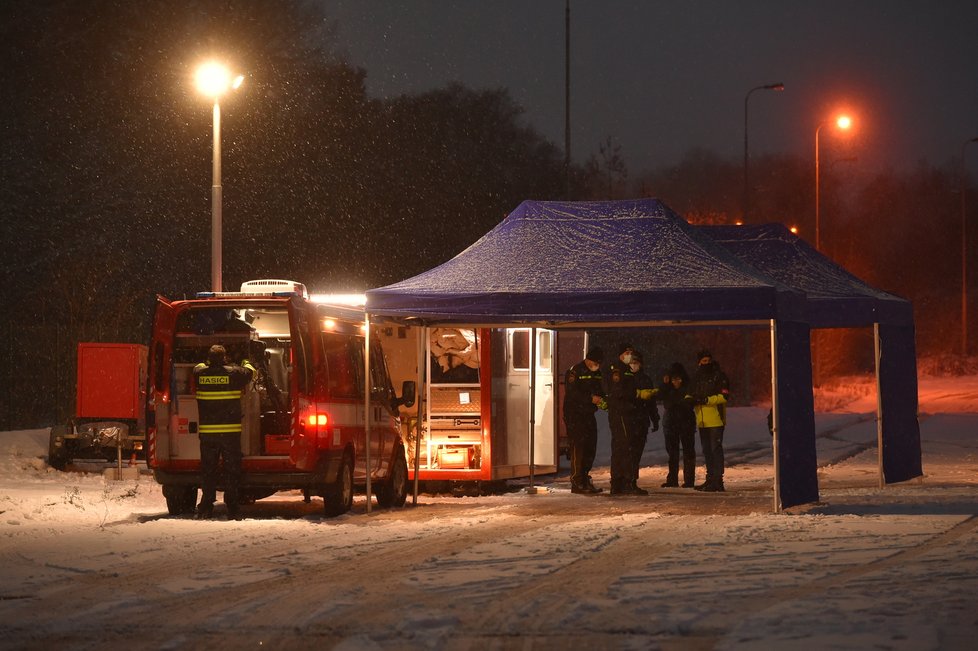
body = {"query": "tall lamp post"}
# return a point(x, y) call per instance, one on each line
point(214, 80)
point(842, 122)
point(964, 251)
point(777, 86)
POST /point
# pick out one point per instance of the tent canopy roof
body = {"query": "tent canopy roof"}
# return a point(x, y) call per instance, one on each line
point(836, 298)
point(608, 261)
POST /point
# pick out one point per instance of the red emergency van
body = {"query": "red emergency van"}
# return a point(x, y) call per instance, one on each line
point(306, 415)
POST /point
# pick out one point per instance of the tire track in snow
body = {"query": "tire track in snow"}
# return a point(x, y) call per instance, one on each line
point(323, 593)
point(714, 627)
point(539, 607)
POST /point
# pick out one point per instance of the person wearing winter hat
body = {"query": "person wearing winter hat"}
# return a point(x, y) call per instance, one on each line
point(678, 426)
point(710, 389)
point(583, 396)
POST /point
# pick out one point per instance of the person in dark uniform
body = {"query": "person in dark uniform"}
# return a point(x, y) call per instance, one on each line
point(219, 387)
point(619, 382)
point(583, 396)
point(710, 389)
point(678, 425)
point(646, 413)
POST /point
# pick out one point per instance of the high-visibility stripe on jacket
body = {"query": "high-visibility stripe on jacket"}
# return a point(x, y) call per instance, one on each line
point(219, 390)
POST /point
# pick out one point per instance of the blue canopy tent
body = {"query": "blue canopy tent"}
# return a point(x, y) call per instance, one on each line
point(623, 264)
point(837, 299)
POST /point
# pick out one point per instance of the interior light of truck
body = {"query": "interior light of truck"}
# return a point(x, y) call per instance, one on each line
point(329, 324)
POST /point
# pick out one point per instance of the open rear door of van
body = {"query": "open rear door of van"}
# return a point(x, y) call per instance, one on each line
point(160, 381)
point(303, 450)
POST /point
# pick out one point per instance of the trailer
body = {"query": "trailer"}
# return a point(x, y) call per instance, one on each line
point(110, 399)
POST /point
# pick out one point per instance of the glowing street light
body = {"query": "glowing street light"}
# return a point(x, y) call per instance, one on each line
point(843, 122)
point(964, 251)
point(214, 80)
point(778, 86)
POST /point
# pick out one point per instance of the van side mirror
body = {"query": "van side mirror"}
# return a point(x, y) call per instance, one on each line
point(409, 390)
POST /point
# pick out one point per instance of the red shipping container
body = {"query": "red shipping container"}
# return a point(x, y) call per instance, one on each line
point(111, 381)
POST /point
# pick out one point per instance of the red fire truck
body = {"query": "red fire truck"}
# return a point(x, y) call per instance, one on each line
point(305, 422)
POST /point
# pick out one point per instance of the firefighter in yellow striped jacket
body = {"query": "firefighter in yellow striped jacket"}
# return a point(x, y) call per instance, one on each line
point(219, 388)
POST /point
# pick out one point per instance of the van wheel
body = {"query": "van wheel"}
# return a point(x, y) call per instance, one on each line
point(180, 499)
point(338, 496)
point(393, 492)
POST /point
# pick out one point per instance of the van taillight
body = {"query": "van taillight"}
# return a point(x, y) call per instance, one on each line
point(314, 420)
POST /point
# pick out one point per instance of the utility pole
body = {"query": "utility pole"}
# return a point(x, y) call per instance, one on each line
point(567, 132)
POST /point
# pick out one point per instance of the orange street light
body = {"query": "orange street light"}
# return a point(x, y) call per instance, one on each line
point(843, 122)
point(214, 80)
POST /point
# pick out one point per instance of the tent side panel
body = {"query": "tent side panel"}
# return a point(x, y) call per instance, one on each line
point(898, 400)
point(798, 469)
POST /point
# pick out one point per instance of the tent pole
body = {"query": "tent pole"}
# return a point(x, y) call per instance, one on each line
point(879, 407)
point(775, 416)
point(366, 399)
point(422, 345)
point(533, 405)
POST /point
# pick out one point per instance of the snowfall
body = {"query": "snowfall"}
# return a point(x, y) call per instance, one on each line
point(87, 561)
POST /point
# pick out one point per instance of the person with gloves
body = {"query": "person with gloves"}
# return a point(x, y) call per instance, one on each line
point(584, 395)
point(646, 413)
point(710, 389)
point(619, 385)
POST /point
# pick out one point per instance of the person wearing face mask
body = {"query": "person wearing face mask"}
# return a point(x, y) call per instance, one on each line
point(646, 412)
point(710, 389)
point(584, 395)
point(619, 384)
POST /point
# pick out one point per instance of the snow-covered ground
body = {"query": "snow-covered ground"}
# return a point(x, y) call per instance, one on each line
point(91, 563)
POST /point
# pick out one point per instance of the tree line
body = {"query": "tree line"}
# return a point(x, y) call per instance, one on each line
point(106, 172)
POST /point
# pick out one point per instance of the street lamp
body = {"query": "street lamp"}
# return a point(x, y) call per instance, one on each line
point(843, 122)
point(214, 80)
point(964, 251)
point(777, 86)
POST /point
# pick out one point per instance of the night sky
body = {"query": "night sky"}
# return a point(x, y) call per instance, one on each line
point(664, 77)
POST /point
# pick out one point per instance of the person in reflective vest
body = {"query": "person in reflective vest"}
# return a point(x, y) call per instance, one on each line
point(219, 386)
